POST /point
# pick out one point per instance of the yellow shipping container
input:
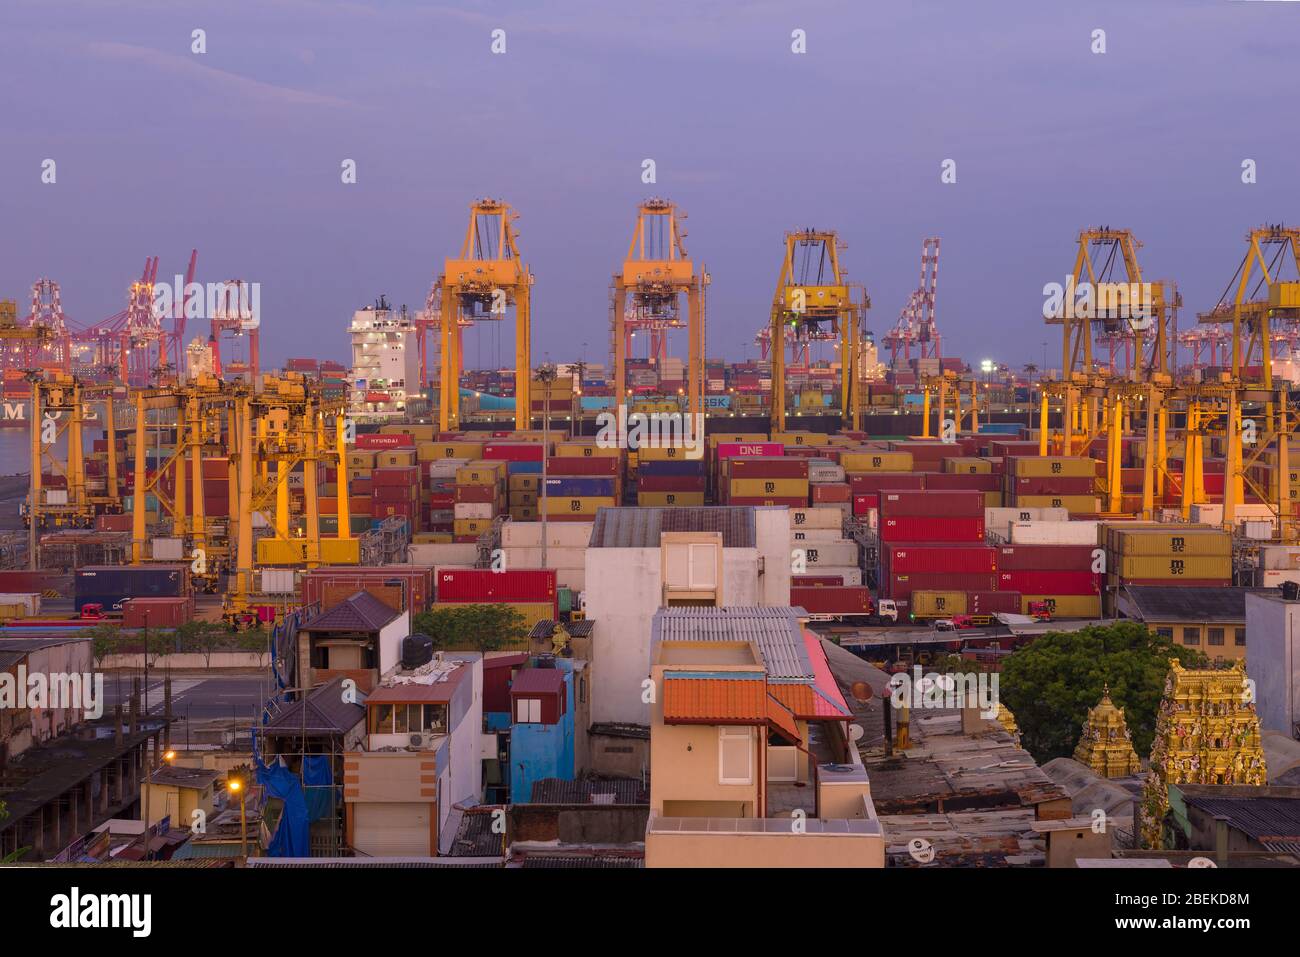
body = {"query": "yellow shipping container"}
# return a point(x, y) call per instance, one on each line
point(968, 466)
point(777, 487)
point(938, 604)
point(671, 453)
point(481, 472)
point(1074, 504)
point(361, 460)
point(666, 499)
point(582, 505)
point(523, 497)
point(716, 438)
point(882, 461)
point(421, 433)
point(354, 474)
point(395, 459)
point(525, 483)
point(471, 526)
point(1047, 466)
point(1166, 541)
point(1174, 566)
point(1064, 606)
point(432, 451)
point(524, 513)
point(333, 551)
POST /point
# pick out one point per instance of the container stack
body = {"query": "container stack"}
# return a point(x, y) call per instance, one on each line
point(827, 486)
point(566, 549)
point(667, 477)
point(395, 489)
point(1068, 482)
point(819, 550)
point(869, 470)
point(531, 592)
point(1066, 579)
point(1188, 556)
point(768, 480)
point(933, 541)
point(523, 462)
point(480, 493)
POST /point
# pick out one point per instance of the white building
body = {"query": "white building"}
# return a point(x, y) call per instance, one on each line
point(385, 361)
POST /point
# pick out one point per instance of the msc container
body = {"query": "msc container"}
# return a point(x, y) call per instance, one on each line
point(968, 466)
point(1050, 465)
point(800, 535)
point(157, 612)
point(669, 499)
point(939, 558)
point(824, 517)
point(1074, 504)
point(832, 600)
point(877, 461)
point(760, 488)
point(579, 505)
point(481, 472)
point(1152, 541)
point(1174, 566)
point(926, 503)
point(841, 552)
point(1064, 606)
point(937, 604)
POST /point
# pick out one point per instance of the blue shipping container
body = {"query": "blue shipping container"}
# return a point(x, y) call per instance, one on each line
point(672, 467)
point(580, 486)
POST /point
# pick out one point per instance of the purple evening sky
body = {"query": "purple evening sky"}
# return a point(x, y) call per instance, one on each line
point(238, 151)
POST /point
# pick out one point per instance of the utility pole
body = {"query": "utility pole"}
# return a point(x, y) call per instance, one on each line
point(545, 375)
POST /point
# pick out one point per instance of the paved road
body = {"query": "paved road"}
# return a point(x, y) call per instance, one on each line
point(195, 696)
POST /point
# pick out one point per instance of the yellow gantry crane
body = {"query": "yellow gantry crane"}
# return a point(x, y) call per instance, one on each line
point(484, 283)
point(656, 274)
point(61, 407)
point(813, 295)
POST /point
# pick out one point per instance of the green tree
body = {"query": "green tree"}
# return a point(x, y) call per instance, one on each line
point(1050, 684)
point(106, 639)
point(157, 643)
point(255, 640)
point(203, 637)
point(472, 627)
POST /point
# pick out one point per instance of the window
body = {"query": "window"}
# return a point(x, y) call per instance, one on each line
point(1191, 636)
point(381, 719)
point(1239, 637)
point(1214, 636)
point(528, 710)
point(735, 756)
point(1165, 633)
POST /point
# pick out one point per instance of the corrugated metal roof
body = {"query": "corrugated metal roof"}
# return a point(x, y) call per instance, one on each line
point(538, 681)
point(715, 697)
point(581, 861)
point(641, 527)
point(1158, 603)
point(1270, 820)
point(590, 791)
point(775, 630)
point(328, 712)
point(577, 629)
point(782, 719)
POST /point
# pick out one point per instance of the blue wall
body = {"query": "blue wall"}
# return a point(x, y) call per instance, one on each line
point(540, 751)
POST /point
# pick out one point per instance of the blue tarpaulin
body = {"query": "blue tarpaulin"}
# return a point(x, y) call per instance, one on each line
point(318, 778)
point(291, 836)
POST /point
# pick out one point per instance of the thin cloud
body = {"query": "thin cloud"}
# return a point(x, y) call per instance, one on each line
point(219, 80)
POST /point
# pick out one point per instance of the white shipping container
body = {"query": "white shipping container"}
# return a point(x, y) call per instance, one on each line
point(56, 496)
point(822, 516)
point(821, 472)
point(1054, 533)
point(852, 575)
point(800, 535)
point(31, 601)
point(442, 553)
point(560, 534)
point(1273, 577)
point(1259, 531)
point(842, 552)
point(474, 510)
point(556, 557)
point(1003, 517)
point(168, 549)
point(278, 581)
point(445, 468)
point(1279, 557)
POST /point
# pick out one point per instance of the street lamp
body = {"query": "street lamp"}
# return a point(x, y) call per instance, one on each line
point(236, 786)
point(546, 375)
point(167, 758)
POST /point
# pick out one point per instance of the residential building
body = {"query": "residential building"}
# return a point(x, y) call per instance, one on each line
point(541, 732)
point(357, 639)
point(177, 793)
point(1210, 619)
point(1273, 659)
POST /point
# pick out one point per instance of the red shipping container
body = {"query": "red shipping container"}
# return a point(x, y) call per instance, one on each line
point(831, 600)
point(475, 494)
point(484, 586)
point(792, 501)
point(393, 494)
point(945, 481)
point(862, 504)
point(832, 492)
point(931, 528)
point(670, 483)
point(371, 441)
point(394, 509)
point(902, 586)
point(894, 504)
point(1051, 485)
point(767, 467)
point(728, 450)
point(1014, 558)
point(992, 602)
point(415, 583)
point(939, 558)
point(863, 483)
point(396, 475)
point(157, 612)
point(1050, 582)
point(583, 465)
point(513, 451)
point(361, 486)
point(816, 581)
point(440, 500)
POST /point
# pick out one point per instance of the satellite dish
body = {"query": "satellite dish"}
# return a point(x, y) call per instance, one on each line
point(1201, 862)
point(862, 691)
point(855, 733)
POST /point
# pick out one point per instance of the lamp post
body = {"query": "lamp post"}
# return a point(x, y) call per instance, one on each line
point(167, 759)
point(236, 785)
point(546, 375)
